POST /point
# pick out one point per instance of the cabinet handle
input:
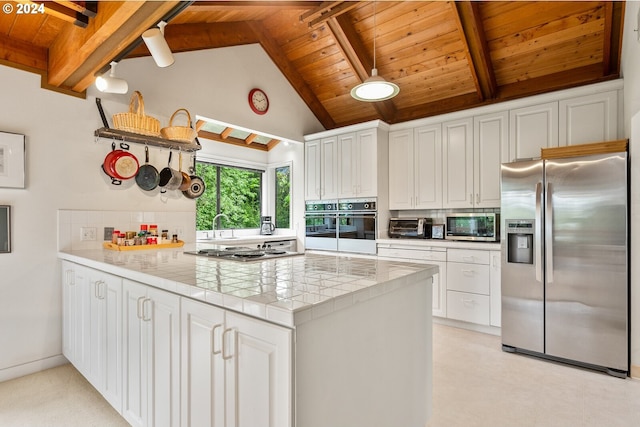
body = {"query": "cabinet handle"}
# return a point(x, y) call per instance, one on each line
point(468, 302)
point(468, 272)
point(139, 308)
point(224, 345)
point(71, 278)
point(471, 198)
point(478, 198)
point(213, 339)
point(144, 311)
point(468, 258)
point(98, 289)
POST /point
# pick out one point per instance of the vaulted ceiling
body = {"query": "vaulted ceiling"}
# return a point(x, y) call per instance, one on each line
point(444, 56)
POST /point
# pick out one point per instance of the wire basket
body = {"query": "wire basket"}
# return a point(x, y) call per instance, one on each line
point(135, 120)
point(179, 133)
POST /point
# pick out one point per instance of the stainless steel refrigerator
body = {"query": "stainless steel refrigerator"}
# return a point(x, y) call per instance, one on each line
point(565, 280)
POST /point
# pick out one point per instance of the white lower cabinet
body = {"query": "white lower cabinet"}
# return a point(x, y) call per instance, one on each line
point(151, 356)
point(236, 371)
point(468, 285)
point(92, 332)
point(435, 256)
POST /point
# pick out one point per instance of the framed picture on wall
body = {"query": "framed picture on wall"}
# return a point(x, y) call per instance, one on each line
point(5, 229)
point(11, 160)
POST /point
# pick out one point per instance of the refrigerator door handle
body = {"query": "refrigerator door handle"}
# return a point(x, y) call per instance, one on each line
point(538, 233)
point(548, 232)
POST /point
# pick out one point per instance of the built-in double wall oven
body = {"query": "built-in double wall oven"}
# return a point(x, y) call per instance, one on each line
point(346, 225)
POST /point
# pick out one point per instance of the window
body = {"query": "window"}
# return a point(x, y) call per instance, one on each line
point(283, 196)
point(232, 191)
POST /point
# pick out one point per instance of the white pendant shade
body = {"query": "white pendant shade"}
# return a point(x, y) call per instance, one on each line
point(110, 83)
point(375, 88)
point(157, 45)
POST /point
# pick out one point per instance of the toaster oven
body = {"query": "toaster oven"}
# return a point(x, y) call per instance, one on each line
point(416, 228)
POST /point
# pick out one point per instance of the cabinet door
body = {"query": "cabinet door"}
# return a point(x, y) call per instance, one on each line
point(70, 311)
point(348, 164)
point(258, 373)
point(163, 364)
point(329, 168)
point(106, 331)
point(367, 163)
point(491, 148)
point(427, 166)
point(401, 189)
point(312, 170)
point(202, 376)
point(532, 128)
point(458, 163)
point(496, 290)
point(135, 355)
point(591, 118)
point(82, 329)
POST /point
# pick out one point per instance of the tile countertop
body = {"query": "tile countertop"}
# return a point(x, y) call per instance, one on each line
point(287, 291)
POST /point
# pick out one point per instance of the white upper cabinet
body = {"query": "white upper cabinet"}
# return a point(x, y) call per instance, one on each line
point(491, 148)
point(457, 142)
point(589, 118)
point(357, 158)
point(415, 168)
point(532, 128)
point(321, 169)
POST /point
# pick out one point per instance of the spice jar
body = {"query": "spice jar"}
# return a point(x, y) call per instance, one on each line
point(174, 239)
point(121, 238)
point(114, 236)
point(153, 230)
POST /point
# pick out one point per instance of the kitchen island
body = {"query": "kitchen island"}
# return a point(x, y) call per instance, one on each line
point(307, 340)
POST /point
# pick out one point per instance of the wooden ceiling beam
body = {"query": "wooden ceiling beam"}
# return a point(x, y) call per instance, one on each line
point(200, 124)
point(292, 75)
point(249, 139)
point(477, 49)
point(64, 13)
point(78, 54)
point(359, 59)
point(225, 133)
point(230, 140)
point(272, 144)
point(87, 8)
point(612, 46)
point(336, 9)
point(191, 37)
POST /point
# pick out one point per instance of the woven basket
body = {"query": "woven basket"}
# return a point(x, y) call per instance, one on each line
point(179, 133)
point(135, 120)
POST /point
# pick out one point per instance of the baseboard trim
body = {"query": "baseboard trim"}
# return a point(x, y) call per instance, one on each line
point(491, 330)
point(17, 371)
point(635, 372)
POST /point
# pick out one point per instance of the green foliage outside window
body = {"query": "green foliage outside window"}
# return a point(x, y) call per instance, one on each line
point(232, 191)
point(283, 197)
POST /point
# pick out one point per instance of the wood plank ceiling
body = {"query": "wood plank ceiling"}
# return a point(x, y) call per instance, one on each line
point(444, 56)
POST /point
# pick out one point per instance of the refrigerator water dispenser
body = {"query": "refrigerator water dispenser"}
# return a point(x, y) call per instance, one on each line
point(519, 241)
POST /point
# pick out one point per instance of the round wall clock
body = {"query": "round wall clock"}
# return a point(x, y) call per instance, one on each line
point(258, 101)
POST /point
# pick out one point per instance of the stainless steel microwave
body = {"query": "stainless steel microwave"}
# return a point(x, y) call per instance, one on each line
point(482, 227)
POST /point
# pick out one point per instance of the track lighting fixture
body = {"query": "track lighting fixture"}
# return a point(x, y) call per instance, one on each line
point(157, 45)
point(110, 83)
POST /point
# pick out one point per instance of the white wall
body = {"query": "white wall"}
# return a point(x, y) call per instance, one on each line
point(63, 162)
point(631, 75)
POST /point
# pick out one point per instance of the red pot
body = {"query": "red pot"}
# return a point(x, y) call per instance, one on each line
point(120, 164)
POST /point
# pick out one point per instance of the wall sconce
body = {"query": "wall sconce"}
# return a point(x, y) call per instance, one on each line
point(110, 83)
point(157, 45)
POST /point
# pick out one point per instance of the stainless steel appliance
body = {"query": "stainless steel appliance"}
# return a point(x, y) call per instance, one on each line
point(418, 228)
point(347, 225)
point(244, 254)
point(357, 225)
point(266, 226)
point(321, 231)
point(482, 227)
point(565, 284)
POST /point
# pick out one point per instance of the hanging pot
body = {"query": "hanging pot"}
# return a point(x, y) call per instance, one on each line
point(186, 179)
point(196, 184)
point(170, 179)
point(120, 165)
point(148, 176)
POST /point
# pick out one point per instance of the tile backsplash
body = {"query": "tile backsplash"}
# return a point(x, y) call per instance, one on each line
point(70, 223)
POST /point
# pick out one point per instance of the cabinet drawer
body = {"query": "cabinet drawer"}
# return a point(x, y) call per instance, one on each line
point(412, 254)
point(468, 277)
point(468, 307)
point(472, 256)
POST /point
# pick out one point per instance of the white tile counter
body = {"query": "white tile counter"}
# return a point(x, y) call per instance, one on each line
point(287, 291)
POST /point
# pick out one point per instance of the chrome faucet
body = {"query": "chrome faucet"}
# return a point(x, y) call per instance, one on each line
point(215, 218)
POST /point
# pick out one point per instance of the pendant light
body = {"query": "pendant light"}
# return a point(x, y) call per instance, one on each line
point(375, 88)
point(157, 45)
point(110, 83)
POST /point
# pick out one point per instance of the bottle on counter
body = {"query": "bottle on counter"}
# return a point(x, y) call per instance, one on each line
point(114, 236)
point(153, 230)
